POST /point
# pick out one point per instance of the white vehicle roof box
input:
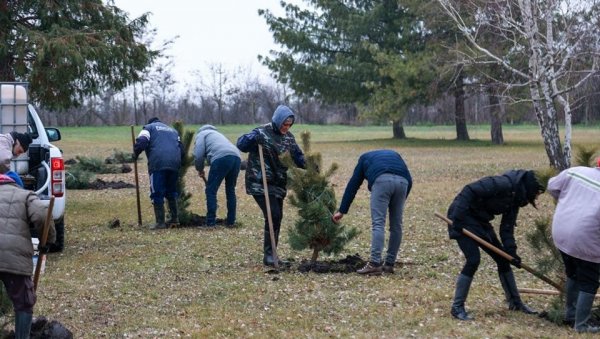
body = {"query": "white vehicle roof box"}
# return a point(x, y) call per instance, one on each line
point(13, 108)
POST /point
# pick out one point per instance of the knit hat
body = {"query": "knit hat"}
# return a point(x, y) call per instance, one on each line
point(598, 164)
point(155, 119)
point(24, 139)
point(5, 179)
point(533, 187)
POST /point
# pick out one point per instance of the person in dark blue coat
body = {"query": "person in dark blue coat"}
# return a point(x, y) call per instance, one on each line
point(389, 181)
point(164, 152)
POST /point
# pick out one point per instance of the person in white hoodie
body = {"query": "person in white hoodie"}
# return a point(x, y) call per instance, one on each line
point(224, 160)
point(576, 234)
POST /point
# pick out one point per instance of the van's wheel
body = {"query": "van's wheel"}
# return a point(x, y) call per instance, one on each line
point(58, 246)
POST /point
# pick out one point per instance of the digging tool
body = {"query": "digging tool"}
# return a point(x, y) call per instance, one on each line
point(137, 184)
point(501, 253)
point(268, 203)
point(42, 244)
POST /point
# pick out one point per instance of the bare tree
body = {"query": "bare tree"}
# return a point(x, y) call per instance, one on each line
point(554, 50)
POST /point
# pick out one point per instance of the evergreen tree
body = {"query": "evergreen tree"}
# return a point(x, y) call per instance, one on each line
point(183, 201)
point(71, 49)
point(314, 196)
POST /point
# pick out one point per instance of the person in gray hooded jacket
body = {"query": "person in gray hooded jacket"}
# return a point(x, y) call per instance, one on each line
point(224, 160)
point(276, 140)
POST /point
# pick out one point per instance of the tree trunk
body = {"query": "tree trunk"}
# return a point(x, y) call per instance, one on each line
point(459, 109)
point(315, 255)
point(496, 114)
point(398, 129)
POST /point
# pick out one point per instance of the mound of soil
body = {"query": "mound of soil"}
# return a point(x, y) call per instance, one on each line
point(100, 184)
point(347, 265)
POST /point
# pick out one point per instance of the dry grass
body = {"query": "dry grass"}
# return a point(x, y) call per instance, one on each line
point(130, 282)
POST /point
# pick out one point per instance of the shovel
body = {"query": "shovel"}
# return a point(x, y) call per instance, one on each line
point(501, 253)
point(137, 184)
point(42, 244)
point(269, 217)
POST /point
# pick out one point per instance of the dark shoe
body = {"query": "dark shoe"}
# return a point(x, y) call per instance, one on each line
point(460, 313)
point(155, 227)
point(389, 269)
point(370, 269)
point(268, 261)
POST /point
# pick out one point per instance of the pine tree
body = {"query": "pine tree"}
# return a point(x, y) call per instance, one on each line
point(183, 201)
point(314, 196)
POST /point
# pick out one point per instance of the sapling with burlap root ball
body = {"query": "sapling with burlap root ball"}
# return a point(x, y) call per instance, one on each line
point(314, 197)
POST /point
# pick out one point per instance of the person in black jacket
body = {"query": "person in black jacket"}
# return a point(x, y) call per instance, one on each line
point(473, 209)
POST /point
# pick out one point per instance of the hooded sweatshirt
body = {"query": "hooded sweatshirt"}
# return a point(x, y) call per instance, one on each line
point(212, 145)
point(576, 221)
point(275, 145)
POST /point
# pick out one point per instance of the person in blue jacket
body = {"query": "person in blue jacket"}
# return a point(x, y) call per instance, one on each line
point(164, 152)
point(276, 140)
point(389, 181)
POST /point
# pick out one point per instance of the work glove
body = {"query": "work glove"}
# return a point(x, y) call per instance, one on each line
point(516, 260)
point(260, 139)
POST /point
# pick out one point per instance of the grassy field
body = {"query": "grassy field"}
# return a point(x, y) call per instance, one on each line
point(130, 282)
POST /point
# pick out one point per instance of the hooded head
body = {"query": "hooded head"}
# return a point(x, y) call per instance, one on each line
point(281, 116)
point(533, 187)
point(23, 138)
point(155, 119)
point(207, 128)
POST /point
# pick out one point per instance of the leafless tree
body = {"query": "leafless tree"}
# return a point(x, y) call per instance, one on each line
point(552, 49)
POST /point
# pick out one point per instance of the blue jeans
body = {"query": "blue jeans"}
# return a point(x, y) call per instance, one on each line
point(163, 184)
point(228, 168)
point(387, 192)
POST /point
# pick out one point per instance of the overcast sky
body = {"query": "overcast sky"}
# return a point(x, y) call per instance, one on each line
point(229, 32)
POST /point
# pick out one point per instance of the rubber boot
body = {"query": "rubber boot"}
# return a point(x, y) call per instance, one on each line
point(173, 213)
point(583, 313)
point(159, 214)
point(22, 325)
point(507, 279)
point(571, 294)
point(267, 250)
point(463, 284)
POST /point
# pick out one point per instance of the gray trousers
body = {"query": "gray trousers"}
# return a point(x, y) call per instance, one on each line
point(387, 192)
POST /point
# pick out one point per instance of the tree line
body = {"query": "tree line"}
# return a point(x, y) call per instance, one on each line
point(392, 62)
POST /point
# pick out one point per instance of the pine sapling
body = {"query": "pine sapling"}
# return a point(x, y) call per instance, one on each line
point(315, 199)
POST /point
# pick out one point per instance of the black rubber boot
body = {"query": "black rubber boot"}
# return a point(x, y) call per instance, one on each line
point(159, 214)
point(463, 284)
point(583, 313)
point(22, 325)
point(173, 213)
point(507, 279)
point(571, 294)
point(267, 250)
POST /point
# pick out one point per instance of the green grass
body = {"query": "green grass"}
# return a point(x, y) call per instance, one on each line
point(130, 282)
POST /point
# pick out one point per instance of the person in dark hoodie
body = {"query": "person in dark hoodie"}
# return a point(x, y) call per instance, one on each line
point(224, 160)
point(164, 152)
point(473, 209)
point(276, 140)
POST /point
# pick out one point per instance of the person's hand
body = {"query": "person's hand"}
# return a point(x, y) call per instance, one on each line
point(516, 260)
point(260, 139)
point(202, 174)
point(337, 216)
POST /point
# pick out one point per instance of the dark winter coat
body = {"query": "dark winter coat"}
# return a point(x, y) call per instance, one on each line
point(371, 165)
point(479, 202)
point(275, 145)
point(162, 145)
point(18, 209)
